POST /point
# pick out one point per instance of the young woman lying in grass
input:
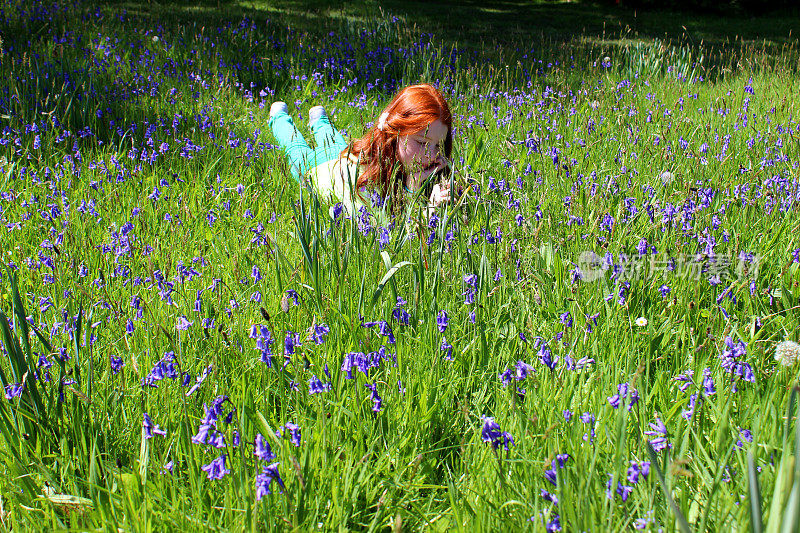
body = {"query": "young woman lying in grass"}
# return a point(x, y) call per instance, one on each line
point(403, 155)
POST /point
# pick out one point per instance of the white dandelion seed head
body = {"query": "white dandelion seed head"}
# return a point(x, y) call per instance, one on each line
point(787, 353)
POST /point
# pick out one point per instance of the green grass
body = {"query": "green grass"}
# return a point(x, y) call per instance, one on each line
point(81, 461)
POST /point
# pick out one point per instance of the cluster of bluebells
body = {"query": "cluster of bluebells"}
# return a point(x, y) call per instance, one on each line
point(264, 342)
point(624, 391)
point(544, 353)
point(366, 362)
point(442, 321)
point(269, 473)
point(552, 477)
point(210, 434)
point(636, 472)
point(13, 390)
point(659, 433)
point(292, 431)
point(166, 367)
point(399, 312)
point(491, 433)
point(731, 361)
point(706, 389)
point(383, 328)
point(520, 372)
point(315, 385)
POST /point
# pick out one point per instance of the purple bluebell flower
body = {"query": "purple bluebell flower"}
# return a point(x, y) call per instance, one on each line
point(546, 357)
point(708, 383)
point(386, 330)
point(203, 431)
point(383, 328)
point(589, 419)
point(352, 359)
point(262, 449)
point(291, 293)
point(199, 380)
point(45, 363)
point(291, 342)
point(614, 401)
point(549, 497)
point(216, 469)
point(383, 237)
point(151, 429)
point(116, 364)
point(441, 321)
point(469, 298)
point(522, 370)
point(685, 379)
point(447, 348)
point(659, 431)
point(264, 480)
point(689, 413)
point(641, 523)
point(554, 525)
point(731, 361)
point(551, 474)
point(216, 439)
point(637, 469)
point(13, 390)
point(622, 490)
point(315, 385)
point(319, 332)
point(294, 433)
point(45, 303)
point(491, 433)
point(624, 391)
point(399, 313)
point(183, 324)
point(745, 435)
point(505, 377)
point(377, 401)
point(264, 342)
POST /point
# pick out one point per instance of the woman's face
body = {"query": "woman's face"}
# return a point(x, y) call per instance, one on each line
point(422, 153)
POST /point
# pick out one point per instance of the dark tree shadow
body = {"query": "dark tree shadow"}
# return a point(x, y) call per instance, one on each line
point(467, 23)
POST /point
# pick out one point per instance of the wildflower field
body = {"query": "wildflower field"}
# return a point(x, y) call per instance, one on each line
point(598, 335)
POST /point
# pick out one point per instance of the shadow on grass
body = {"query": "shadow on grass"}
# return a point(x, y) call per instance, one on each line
point(467, 23)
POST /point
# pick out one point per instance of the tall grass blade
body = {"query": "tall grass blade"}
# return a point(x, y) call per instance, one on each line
point(755, 495)
point(683, 524)
point(791, 515)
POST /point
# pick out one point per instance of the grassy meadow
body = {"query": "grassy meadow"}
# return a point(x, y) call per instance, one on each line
point(584, 341)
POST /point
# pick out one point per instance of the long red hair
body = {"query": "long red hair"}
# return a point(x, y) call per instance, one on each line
point(412, 108)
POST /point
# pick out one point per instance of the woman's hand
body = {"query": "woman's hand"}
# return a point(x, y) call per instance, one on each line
point(439, 195)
